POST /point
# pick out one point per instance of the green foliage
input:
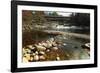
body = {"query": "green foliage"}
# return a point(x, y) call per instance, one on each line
point(53, 14)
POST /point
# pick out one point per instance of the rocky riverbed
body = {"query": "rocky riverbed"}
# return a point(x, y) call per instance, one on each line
point(48, 50)
point(54, 50)
point(44, 46)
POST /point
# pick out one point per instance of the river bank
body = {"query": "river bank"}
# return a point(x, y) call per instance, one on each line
point(68, 44)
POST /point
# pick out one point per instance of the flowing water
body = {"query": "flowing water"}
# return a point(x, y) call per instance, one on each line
point(70, 44)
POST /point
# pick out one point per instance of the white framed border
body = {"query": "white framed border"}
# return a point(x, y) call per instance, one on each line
point(53, 63)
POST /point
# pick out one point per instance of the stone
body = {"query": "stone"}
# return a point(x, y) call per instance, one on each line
point(25, 60)
point(64, 44)
point(54, 44)
point(29, 46)
point(49, 44)
point(24, 52)
point(41, 52)
point(31, 58)
point(36, 52)
point(40, 48)
point(40, 44)
point(48, 50)
point(28, 51)
point(44, 44)
point(42, 57)
point(55, 48)
point(27, 56)
point(33, 54)
point(51, 40)
point(57, 58)
point(86, 46)
point(36, 58)
point(33, 48)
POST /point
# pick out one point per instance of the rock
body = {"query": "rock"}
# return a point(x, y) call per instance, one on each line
point(36, 58)
point(44, 44)
point(55, 48)
point(30, 46)
point(49, 45)
point(25, 60)
point(31, 58)
point(51, 40)
point(57, 58)
point(41, 57)
point(64, 44)
point(59, 42)
point(41, 53)
point(27, 56)
point(86, 46)
point(67, 55)
point(54, 44)
point(26, 50)
point(47, 41)
point(33, 50)
point(48, 50)
point(40, 48)
point(40, 44)
point(33, 54)
point(36, 52)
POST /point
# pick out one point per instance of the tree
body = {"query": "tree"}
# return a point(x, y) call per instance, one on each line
point(39, 18)
point(53, 14)
point(27, 17)
point(80, 19)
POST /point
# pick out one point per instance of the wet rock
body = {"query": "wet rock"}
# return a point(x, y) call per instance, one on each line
point(33, 54)
point(25, 59)
point(55, 48)
point(44, 44)
point(40, 48)
point(42, 57)
point(31, 58)
point(24, 51)
point(33, 50)
point(41, 52)
point(64, 44)
point(57, 58)
point(36, 52)
point(36, 58)
point(51, 40)
point(30, 46)
point(54, 44)
point(67, 55)
point(48, 50)
point(27, 56)
point(40, 44)
point(86, 46)
point(49, 44)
